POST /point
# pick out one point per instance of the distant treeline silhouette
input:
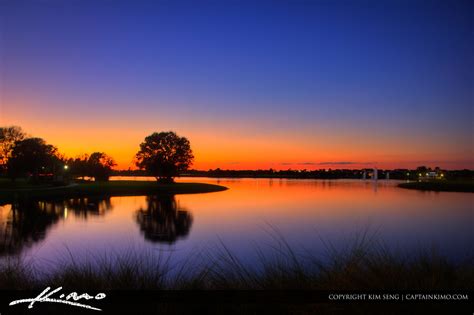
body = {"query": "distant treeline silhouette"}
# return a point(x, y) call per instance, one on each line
point(400, 174)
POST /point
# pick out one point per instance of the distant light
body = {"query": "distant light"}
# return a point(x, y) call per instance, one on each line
point(408, 174)
point(442, 175)
point(419, 174)
point(66, 167)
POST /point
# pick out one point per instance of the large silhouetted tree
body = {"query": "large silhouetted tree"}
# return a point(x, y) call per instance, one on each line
point(8, 137)
point(164, 155)
point(32, 156)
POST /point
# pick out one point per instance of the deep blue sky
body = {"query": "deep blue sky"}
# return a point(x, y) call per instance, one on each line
point(396, 74)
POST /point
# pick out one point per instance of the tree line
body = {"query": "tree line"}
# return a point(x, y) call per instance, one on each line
point(163, 155)
point(399, 174)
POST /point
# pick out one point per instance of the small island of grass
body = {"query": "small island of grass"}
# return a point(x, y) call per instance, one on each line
point(110, 188)
point(441, 185)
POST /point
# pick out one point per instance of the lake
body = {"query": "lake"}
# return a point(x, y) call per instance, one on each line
point(310, 215)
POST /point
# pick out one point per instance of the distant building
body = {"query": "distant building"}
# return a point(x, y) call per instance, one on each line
point(431, 175)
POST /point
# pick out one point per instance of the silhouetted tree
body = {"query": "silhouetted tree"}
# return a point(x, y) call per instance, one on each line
point(422, 169)
point(78, 166)
point(164, 155)
point(99, 165)
point(31, 157)
point(8, 137)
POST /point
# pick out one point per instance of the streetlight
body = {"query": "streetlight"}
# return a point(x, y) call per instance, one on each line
point(66, 167)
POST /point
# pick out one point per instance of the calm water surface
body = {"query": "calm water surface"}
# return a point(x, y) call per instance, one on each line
point(243, 217)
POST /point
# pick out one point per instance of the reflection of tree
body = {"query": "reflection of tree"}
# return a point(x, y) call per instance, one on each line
point(163, 220)
point(26, 222)
point(83, 207)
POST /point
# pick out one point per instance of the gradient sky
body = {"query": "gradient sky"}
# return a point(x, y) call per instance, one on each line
point(309, 84)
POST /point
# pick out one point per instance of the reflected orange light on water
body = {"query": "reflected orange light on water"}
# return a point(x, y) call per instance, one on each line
point(248, 213)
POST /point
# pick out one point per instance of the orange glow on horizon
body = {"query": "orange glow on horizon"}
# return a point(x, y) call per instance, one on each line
point(224, 145)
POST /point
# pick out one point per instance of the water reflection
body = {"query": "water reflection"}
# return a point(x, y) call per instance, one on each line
point(26, 222)
point(163, 220)
point(85, 207)
point(304, 211)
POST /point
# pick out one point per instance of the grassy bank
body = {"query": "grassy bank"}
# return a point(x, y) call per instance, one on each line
point(112, 188)
point(441, 185)
point(363, 266)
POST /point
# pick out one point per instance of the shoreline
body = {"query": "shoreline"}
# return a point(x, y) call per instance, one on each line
point(440, 186)
point(110, 188)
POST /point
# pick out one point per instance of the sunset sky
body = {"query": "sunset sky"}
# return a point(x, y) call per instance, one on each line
point(301, 84)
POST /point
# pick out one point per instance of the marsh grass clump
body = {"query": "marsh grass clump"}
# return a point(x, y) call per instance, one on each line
point(111, 271)
point(15, 275)
point(363, 264)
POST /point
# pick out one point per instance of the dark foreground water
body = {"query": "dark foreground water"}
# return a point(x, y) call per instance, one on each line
point(250, 214)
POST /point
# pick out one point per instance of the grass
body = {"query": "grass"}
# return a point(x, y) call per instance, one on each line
point(111, 188)
point(441, 185)
point(363, 265)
